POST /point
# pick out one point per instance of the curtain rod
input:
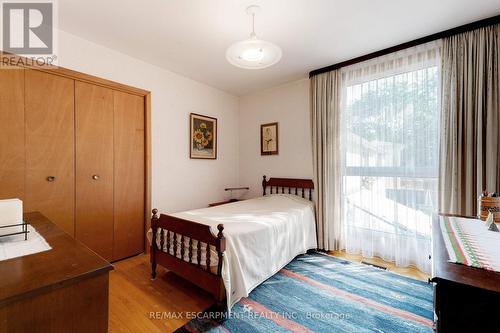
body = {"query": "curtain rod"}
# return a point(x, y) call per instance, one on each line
point(443, 34)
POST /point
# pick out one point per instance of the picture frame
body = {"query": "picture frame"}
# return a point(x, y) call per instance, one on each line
point(203, 137)
point(269, 139)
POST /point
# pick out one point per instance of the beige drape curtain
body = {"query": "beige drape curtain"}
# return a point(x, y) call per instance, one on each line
point(325, 120)
point(470, 150)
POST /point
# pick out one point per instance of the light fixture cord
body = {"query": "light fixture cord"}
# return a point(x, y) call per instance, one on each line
point(253, 25)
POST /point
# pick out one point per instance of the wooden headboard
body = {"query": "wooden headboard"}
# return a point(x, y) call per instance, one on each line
point(289, 184)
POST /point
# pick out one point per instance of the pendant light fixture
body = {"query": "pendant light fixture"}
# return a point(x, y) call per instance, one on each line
point(253, 53)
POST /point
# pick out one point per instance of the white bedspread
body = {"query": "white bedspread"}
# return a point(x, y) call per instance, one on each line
point(262, 236)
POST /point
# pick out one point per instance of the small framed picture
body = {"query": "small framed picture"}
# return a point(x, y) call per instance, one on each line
point(269, 139)
point(203, 139)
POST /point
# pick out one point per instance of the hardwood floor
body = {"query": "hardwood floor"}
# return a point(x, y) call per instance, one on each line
point(408, 271)
point(137, 304)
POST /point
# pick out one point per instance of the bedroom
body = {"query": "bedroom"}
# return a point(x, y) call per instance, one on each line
point(374, 122)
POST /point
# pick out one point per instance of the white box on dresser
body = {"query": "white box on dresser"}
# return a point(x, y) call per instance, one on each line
point(11, 212)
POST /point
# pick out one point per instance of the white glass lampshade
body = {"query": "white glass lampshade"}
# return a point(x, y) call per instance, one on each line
point(253, 53)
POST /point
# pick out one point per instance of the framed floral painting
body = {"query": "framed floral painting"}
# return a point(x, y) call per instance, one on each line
point(203, 137)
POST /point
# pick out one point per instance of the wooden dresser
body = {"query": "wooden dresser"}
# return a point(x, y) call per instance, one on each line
point(466, 299)
point(61, 290)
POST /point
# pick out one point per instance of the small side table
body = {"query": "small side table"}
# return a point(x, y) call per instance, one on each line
point(222, 202)
point(230, 189)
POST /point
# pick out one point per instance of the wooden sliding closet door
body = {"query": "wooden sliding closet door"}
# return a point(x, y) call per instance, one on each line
point(129, 175)
point(50, 163)
point(12, 133)
point(94, 167)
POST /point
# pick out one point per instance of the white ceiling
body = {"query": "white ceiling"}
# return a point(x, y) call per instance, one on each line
point(190, 37)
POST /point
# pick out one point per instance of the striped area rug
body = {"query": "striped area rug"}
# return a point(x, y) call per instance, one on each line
point(321, 293)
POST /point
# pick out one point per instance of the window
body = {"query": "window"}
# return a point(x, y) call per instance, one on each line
point(390, 121)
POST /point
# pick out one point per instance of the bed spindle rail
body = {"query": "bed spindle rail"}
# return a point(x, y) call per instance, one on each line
point(162, 239)
point(168, 241)
point(274, 185)
point(175, 244)
point(198, 253)
point(184, 234)
point(190, 253)
point(207, 258)
point(183, 247)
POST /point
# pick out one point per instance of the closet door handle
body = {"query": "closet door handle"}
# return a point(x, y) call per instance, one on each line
point(95, 177)
point(50, 179)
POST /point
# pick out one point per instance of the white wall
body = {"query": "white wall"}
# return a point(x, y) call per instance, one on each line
point(178, 182)
point(289, 105)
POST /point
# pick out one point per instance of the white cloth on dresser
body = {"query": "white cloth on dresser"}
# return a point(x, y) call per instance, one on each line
point(15, 246)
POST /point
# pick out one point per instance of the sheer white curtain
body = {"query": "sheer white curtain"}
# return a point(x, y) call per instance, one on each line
point(390, 131)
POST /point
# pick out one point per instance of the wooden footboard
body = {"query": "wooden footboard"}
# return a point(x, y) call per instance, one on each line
point(192, 269)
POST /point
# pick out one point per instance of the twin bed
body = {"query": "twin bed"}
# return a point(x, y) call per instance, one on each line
point(229, 250)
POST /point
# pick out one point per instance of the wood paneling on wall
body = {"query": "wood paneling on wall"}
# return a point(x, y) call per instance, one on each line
point(12, 163)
